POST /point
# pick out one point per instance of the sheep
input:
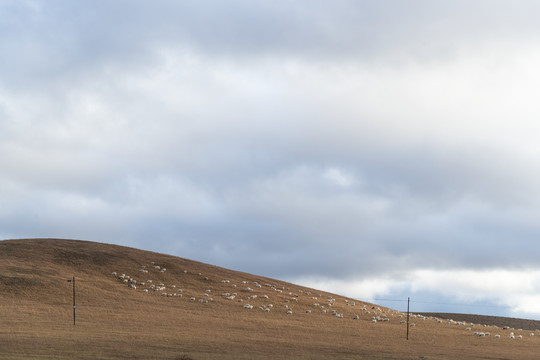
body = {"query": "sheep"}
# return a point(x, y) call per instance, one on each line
point(531, 334)
point(356, 317)
point(248, 306)
point(497, 336)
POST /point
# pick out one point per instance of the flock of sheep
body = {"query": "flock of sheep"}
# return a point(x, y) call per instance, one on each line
point(254, 295)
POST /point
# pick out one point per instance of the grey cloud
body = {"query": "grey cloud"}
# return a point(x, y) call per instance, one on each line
point(49, 41)
point(286, 140)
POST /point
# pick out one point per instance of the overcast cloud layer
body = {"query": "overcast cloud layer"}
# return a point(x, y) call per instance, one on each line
point(383, 148)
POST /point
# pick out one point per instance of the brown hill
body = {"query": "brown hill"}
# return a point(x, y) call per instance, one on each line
point(499, 321)
point(203, 321)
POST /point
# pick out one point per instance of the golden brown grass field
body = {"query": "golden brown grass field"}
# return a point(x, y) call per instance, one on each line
point(116, 322)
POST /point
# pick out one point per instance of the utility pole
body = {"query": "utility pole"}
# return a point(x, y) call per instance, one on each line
point(408, 303)
point(73, 282)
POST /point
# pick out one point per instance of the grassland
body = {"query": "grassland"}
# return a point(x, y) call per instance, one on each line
point(115, 322)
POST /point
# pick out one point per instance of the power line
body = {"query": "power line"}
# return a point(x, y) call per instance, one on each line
point(437, 303)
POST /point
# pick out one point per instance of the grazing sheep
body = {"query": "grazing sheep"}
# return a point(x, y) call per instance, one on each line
point(248, 306)
point(497, 336)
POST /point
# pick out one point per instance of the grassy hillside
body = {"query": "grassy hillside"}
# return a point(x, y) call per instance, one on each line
point(116, 322)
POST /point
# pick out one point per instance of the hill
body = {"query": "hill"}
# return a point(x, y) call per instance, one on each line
point(498, 321)
point(183, 309)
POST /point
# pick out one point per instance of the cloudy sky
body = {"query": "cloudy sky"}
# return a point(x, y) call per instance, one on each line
point(378, 149)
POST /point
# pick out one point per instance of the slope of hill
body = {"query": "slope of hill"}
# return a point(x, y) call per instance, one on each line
point(196, 311)
point(499, 321)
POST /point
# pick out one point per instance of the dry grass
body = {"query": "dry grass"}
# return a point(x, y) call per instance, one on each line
point(114, 322)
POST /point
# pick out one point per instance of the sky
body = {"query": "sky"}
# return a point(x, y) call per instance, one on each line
point(380, 150)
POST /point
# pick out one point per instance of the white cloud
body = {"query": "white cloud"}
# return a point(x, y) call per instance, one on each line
point(503, 292)
point(295, 131)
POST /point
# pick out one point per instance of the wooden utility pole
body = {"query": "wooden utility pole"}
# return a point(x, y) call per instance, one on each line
point(408, 303)
point(72, 281)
